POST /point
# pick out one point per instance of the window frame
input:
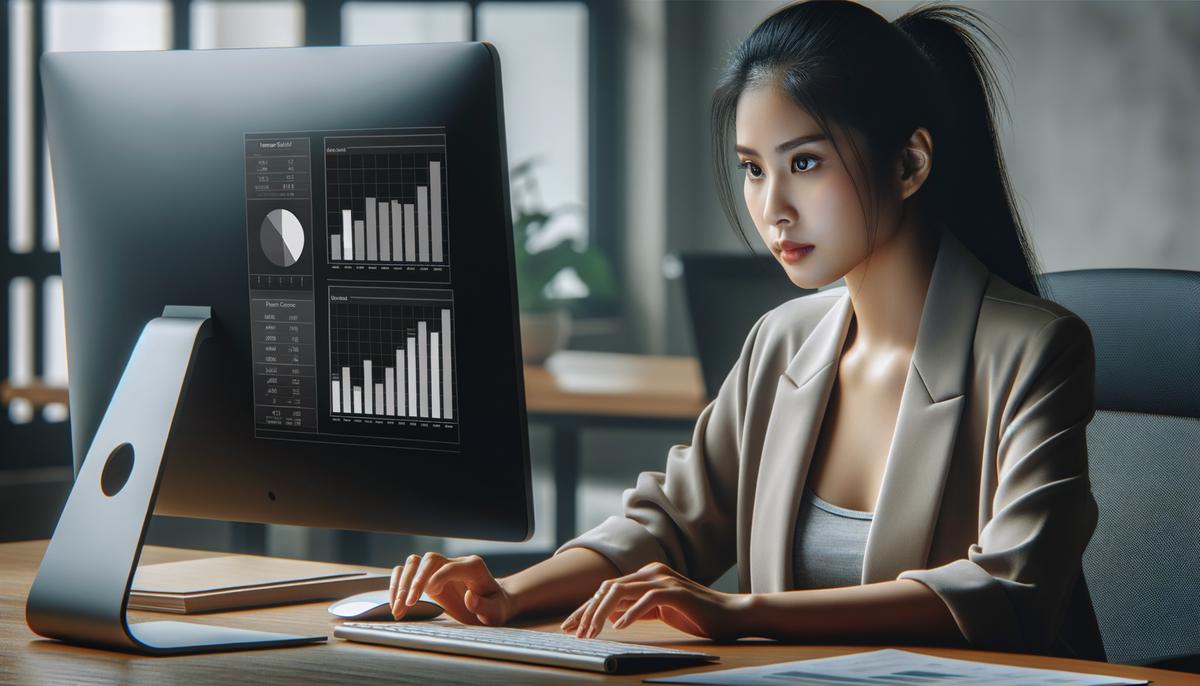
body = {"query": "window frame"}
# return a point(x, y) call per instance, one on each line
point(41, 443)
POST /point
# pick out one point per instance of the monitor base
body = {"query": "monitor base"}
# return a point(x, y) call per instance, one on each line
point(172, 638)
point(81, 591)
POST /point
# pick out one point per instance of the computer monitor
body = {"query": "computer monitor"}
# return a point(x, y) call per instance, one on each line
point(344, 213)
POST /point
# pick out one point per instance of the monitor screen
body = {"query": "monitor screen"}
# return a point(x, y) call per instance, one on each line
point(344, 212)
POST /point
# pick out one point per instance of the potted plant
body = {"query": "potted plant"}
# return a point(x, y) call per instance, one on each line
point(545, 319)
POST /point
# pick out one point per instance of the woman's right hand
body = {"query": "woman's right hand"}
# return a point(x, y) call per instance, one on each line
point(463, 586)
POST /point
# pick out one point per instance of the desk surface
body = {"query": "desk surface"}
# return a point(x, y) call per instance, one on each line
point(28, 659)
point(615, 384)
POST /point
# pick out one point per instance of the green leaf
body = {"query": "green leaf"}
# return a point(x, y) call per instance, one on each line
point(593, 269)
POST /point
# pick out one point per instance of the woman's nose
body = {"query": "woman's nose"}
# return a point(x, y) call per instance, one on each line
point(778, 209)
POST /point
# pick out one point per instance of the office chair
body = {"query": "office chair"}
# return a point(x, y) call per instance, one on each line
point(1143, 563)
point(726, 294)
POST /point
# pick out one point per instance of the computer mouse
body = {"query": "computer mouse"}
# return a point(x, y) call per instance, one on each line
point(373, 606)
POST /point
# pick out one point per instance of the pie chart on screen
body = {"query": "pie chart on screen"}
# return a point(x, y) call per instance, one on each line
point(282, 238)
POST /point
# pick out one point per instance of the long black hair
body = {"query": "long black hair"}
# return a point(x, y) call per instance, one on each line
point(848, 66)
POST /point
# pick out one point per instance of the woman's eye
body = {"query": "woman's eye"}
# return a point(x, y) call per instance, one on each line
point(752, 170)
point(804, 163)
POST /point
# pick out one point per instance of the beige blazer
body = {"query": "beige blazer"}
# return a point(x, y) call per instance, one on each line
point(985, 497)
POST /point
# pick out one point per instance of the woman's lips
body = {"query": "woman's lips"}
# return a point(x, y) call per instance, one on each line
point(794, 252)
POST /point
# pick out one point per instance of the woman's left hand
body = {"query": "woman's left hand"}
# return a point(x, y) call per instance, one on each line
point(658, 592)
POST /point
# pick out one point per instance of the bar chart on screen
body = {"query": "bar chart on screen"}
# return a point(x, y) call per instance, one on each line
point(386, 204)
point(392, 363)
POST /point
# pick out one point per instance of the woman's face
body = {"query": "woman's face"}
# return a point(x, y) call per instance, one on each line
point(798, 190)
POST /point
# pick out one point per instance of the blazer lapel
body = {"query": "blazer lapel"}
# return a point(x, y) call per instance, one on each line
point(931, 405)
point(923, 442)
point(800, 399)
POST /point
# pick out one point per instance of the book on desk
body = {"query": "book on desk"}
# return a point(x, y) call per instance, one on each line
point(245, 581)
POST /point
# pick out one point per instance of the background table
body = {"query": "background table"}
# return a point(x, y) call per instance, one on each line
point(576, 390)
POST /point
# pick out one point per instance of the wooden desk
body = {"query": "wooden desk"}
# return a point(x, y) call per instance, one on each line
point(28, 659)
point(578, 389)
point(578, 382)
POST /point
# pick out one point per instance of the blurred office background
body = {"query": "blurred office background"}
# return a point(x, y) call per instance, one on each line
point(609, 101)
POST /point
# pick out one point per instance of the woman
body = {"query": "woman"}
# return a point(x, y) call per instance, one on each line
point(899, 460)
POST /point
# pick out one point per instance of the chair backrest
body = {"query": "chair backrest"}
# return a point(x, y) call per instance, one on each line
point(1142, 566)
point(726, 294)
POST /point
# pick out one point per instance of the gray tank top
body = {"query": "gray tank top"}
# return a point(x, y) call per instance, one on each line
point(829, 544)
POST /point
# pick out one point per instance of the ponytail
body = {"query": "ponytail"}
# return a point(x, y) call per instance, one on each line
point(970, 192)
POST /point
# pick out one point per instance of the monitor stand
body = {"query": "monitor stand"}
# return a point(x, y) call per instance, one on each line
point(82, 587)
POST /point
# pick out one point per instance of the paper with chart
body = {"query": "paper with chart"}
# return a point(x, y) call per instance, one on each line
point(891, 667)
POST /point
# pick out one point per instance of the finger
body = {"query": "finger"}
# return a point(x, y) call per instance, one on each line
point(487, 609)
point(572, 619)
point(392, 584)
point(630, 593)
point(410, 570)
point(581, 618)
point(597, 610)
point(648, 603)
point(430, 563)
point(585, 612)
point(590, 606)
point(652, 613)
point(617, 592)
point(472, 571)
point(624, 605)
point(594, 621)
point(455, 607)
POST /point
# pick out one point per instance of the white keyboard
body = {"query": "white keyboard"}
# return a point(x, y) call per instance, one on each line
point(521, 645)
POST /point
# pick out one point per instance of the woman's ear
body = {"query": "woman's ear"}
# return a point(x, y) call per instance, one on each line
point(916, 161)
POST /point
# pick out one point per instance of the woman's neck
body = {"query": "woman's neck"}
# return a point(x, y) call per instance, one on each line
point(887, 291)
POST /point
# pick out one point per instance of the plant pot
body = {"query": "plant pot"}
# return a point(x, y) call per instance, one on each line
point(544, 333)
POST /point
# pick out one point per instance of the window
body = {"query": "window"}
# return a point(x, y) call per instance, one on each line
point(33, 347)
point(370, 23)
point(543, 51)
point(546, 48)
point(261, 24)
